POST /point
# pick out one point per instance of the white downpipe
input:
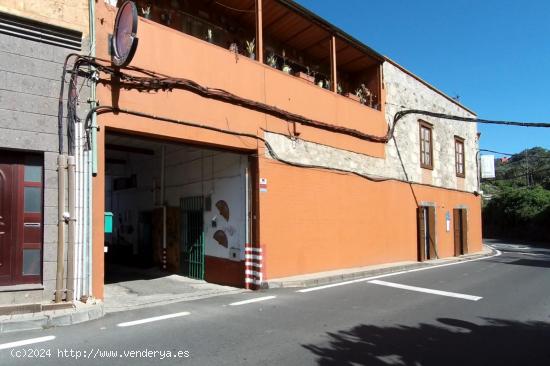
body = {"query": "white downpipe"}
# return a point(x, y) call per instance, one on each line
point(86, 224)
point(89, 157)
point(82, 210)
point(78, 217)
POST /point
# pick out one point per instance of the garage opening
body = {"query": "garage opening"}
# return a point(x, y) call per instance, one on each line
point(177, 209)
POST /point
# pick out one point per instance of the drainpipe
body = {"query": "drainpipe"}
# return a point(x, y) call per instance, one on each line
point(76, 218)
point(162, 201)
point(61, 166)
point(92, 100)
point(91, 156)
point(71, 230)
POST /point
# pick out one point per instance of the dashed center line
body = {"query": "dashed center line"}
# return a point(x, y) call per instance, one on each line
point(26, 342)
point(427, 290)
point(153, 319)
point(257, 299)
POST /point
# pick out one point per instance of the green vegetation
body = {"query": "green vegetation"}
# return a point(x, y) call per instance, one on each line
point(517, 203)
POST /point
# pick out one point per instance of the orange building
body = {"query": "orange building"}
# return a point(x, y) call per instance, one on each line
point(260, 160)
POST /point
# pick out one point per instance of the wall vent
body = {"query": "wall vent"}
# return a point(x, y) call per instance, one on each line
point(40, 32)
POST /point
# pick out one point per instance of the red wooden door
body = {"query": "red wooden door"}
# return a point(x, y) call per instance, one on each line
point(7, 201)
point(21, 196)
point(28, 258)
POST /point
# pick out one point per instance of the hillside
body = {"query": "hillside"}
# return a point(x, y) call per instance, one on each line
point(520, 197)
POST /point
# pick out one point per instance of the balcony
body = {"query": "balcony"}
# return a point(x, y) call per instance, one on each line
point(279, 34)
point(297, 63)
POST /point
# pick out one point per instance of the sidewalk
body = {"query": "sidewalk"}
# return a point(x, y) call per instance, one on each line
point(324, 278)
point(141, 293)
point(49, 315)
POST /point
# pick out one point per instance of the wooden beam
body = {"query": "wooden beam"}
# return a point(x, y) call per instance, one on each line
point(327, 58)
point(316, 43)
point(284, 14)
point(295, 34)
point(354, 60)
point(248, 11)
point(333, 66)
point(259, 31)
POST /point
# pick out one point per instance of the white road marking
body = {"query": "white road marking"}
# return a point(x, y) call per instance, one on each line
point(533, 254)
point(252, 300)
point(366, 279)
point(153, 319)
point(26, 342)
point(427, 290)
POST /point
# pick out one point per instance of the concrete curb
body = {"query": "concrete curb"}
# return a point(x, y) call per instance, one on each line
point(48, 319)
point(334, 278)
point(115, 309)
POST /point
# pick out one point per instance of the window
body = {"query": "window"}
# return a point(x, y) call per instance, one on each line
point(426, 146)
point(459, 157)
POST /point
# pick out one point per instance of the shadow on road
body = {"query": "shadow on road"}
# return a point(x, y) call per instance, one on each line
point(452, 342)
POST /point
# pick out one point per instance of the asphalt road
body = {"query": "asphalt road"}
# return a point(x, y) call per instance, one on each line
point(494, 311)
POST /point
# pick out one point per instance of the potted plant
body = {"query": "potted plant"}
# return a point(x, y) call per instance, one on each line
point(146, 12)
point(286, 68)
point(210, 36)
point(355, 96)
point(272, 60)
point(250, 46)
point(166, 18)
point(305, 76)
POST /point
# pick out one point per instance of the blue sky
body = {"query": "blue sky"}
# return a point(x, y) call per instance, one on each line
point(494, 54)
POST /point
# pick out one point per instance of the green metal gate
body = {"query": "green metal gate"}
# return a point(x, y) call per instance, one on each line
point(192, 237)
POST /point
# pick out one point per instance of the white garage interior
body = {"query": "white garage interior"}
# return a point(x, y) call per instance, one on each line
point(173, 206)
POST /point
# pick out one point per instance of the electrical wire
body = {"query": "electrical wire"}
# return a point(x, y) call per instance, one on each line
point(154, 81)
point(496, 152)
point(523, 175)
point(60, 100)
point(271, 151)
point(132, 78)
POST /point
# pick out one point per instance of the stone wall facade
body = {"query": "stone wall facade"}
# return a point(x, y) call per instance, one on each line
point(70, 14)
point(403, 91)
point(30, 78)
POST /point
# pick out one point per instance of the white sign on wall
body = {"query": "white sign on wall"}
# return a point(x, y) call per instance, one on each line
point(487, 166)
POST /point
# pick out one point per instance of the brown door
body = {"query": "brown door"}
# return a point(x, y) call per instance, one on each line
point(460, 219)
point(21, 196)
point(426, 233)
point(29, 255)
point(7, 218)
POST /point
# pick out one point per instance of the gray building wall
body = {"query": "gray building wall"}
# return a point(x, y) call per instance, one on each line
point(30, 74)
point(403, 91)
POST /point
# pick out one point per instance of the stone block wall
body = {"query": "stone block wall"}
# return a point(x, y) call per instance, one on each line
point(403, 91)
point(30, 77)
point(70, 14)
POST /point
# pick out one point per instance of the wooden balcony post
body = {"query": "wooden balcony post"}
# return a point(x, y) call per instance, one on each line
point(333, 67)
point(259, 32)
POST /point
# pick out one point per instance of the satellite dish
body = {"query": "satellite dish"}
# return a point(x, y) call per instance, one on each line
point(124, 34)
